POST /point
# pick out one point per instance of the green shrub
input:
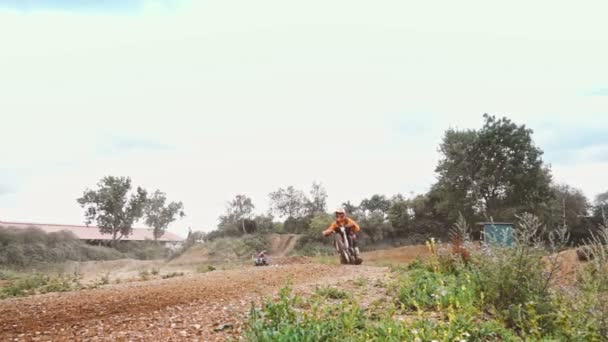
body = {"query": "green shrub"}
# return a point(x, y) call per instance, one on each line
point(24, 248)
point(331, 293)
point(172, 275)
point(142, 250)
point(144, 275)
point(283, 320)
point(424, 290)
point(205, 269)
point(39, 284)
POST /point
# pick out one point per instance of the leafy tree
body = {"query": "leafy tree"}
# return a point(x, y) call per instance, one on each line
point(237, 218)
point(375, 226)
point(318, 224)
point(296, 225)
point(349, 207)
point(400, 215)
point(288, 202)
point(114, 206)
point(497, 171)
point(454, 187)
point(318, 199)
point(264, 224)
point(160, 215)
point(376, 203)
point(568, 207)
point(600, 210)
point(239, 210)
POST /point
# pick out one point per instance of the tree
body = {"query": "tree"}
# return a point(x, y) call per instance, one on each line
point(376, 203)
point(264, 224)
point(318, 199)
point(160, 215)
point(114, 206)
point(349, 207)
point(497, 171)
point(568, 207)
point(400, 214)
point(288, 202)
point(239, 210)
point(600, 209)
point(454, 185)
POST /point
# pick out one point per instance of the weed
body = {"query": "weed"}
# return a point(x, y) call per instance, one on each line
point(103, 280)
point(155, 271)
point(361, 281)
point(39, 284)
point(205, 269)
point(144, 275)
point(172, 275)
point(331, 293)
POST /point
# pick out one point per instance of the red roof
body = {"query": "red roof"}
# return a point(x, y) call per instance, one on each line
point(92, 232)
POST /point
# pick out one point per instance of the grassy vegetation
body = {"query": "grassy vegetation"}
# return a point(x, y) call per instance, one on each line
point(172, 275)
point(32, 247)
point(205, 268)
point(496, 294)
point(329, 292)
point(31, 284)
point(29, 247)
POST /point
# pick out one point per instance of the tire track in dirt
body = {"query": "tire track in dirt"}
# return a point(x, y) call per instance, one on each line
point(187, 308)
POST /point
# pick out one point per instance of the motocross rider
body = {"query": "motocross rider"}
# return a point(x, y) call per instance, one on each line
point(343, 221)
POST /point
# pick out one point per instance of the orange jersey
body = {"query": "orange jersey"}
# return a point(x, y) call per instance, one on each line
point(346, 222)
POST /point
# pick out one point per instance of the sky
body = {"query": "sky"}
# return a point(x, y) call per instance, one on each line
point(208, 99)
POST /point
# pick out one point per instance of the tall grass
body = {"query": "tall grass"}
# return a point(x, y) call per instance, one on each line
point(30, 247)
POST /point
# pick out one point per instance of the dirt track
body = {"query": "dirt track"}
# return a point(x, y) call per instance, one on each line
point(186, 308)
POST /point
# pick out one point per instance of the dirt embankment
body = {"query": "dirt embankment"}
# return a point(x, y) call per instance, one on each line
point(282, 244)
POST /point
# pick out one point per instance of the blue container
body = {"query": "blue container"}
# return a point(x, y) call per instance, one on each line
point(498, 233)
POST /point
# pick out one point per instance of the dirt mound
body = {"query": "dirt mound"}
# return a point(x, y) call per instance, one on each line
point(569, 267)
point(292, 260)
point(282, 244)
point(197, 254)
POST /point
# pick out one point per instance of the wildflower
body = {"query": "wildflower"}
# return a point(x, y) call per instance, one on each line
point(415, 332)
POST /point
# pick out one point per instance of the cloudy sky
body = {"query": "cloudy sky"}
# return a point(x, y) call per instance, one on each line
point(207, 99)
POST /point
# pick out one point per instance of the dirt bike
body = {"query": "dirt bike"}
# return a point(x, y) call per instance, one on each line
point(349, 255)
point(261, 261)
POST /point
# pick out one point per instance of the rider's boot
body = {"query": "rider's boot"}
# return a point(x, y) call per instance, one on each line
point(357, 254)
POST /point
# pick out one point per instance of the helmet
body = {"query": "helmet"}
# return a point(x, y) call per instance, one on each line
point(340, 210)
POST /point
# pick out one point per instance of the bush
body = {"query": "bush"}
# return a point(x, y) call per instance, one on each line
point(205, 269)
point(39, 284)
point(172, 275)
point(331, 293)
point(29, 247)
point(348, 321)
point(144, 275)
point(142, 250)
